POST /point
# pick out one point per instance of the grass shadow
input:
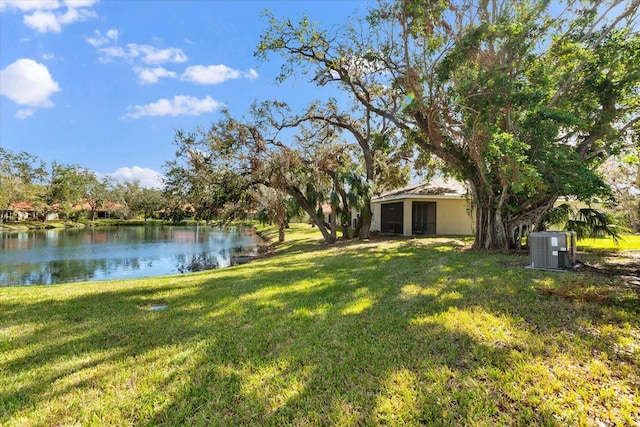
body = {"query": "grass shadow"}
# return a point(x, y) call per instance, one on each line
point(406, 331)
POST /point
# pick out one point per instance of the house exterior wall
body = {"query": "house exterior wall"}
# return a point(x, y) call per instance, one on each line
point(22, 215)
point(452, 215)
point(17, 215)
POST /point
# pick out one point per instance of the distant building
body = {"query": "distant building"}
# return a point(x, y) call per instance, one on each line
point(438, 207)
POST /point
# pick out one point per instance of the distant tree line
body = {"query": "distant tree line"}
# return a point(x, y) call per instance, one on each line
point(71, 192)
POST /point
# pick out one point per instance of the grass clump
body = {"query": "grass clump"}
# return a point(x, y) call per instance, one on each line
point(396, 332)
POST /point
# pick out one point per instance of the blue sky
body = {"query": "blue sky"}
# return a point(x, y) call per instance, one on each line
point(105, 84)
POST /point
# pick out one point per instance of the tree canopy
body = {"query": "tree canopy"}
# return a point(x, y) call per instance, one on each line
point(521, 100)
point(21, 177)
point(309, 164)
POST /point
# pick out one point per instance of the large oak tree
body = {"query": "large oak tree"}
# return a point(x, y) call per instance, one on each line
point(341, 59)
point(260, 151)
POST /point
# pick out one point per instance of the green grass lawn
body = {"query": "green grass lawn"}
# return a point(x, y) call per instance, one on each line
point(626, 242)
point(391, 332)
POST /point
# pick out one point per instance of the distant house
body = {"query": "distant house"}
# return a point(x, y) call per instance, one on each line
point(439, 207)
point(104, 212)
point(25, 211)
point(19, 211)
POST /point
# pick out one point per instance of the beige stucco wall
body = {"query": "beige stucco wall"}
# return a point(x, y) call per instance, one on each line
point(452, 215)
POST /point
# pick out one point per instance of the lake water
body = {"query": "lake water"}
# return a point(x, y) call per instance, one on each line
point(71, 255)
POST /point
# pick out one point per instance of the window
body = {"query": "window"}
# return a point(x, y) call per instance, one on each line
point(391, 218)
point(423, 218)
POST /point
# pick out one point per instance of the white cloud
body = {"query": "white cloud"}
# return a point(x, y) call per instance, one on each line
point(80, 3)
point(147, 177)
point(145, 53)
point(73, 15)
point(180, 105)
point(46, 16)
point(43, 22)
point(151, 55)
point(27, 82)
point(152, 75)
point(252, 74)
point(24, 113)
point(215, 74)
point(47, 21)
point(101, 40)
point(28, 6)
point(112, 34)
point(113, 52)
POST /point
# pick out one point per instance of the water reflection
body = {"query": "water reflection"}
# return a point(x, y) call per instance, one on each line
point(57, 256)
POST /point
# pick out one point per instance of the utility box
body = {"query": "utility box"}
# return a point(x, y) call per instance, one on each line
point(554, 250)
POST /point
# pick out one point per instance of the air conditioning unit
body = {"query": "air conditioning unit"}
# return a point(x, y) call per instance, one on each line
point(554, 250)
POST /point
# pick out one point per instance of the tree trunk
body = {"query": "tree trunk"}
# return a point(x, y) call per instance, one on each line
point(345, 231)
point(497, 232)
point(333, 223)
point(358, 226)
point(365, 229)
point(281, 220)
point(321, 226)
point(491, 230)
point(302, 201)
point(365, 221)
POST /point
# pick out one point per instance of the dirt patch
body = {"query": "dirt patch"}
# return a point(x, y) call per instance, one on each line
point(579, 291)
point(617, 281)
point(623, 265)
